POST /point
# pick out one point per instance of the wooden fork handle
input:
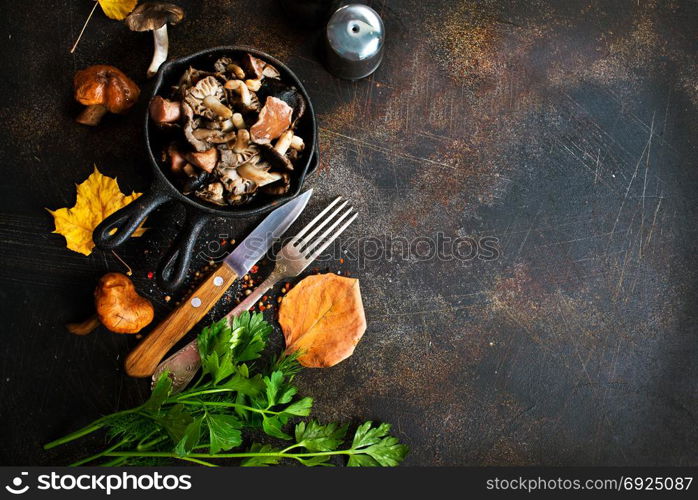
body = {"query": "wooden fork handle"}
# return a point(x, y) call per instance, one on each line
point(144, 359)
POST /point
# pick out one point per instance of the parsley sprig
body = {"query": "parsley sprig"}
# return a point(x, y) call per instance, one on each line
point(235, 393)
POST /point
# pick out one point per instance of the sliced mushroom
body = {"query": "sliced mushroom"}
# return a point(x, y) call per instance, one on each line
point(177, 160)
point(196, 180)
point(241, 151)
point(227, 175)
point(221, 65)
point(284, 142)
point(163, 110)
point(205, 160)
point(280, 187)
point(289, 94)
point(257, 68)
point(258, 173)
point(222, 125)
point(274, 119)
point(253, 66)
point(243, 97)
point(192, 171)
point(253, 85)
point(278, 161)
point(239, 199)
point(240, 190)
point(212, 193)
point(214, 136)
point(238, 121)
point(191, 77)
point(205, 99)
point(236, 70)
point(270, 71)
point(297, 143)
point(191, 124)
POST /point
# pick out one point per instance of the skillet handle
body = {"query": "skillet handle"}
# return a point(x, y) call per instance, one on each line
point(126, 220)
point(174, 266)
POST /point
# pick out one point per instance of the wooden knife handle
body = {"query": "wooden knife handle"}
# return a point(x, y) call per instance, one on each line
point(144, 359)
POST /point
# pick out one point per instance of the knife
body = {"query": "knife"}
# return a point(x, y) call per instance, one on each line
point(142, 361)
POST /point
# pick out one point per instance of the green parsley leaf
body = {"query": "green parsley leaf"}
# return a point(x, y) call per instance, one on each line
point(273, 427)
point(214, 344)
point(376, 443)
point(161, 392)
point(367, 435)
point(191, 437)
point(273, 384)
point(300, 408)
point(251, 333)
point(224, 432)
point(361, 461)
point(248, 386)
point(317, 437)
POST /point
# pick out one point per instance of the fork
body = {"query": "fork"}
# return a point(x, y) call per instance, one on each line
point(292, 259)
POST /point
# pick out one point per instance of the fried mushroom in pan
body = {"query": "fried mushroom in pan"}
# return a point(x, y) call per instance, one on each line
point(233, 128)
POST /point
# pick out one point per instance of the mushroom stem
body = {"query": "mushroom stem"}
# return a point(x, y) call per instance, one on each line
point(85, 327)
point(217, 107)
point(284, 142)
point(161, 46)
point(238, 121)
point(92, 115)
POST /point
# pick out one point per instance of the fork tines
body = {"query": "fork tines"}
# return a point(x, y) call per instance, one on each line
point(310, 246)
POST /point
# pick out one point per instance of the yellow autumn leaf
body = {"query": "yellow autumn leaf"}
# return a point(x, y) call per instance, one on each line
point(98, 197)
point(117, 9)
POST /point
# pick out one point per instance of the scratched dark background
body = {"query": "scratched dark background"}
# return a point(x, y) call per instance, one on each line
point(565, 129)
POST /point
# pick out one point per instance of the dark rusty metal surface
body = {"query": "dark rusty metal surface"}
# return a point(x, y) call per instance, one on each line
point(565, 129)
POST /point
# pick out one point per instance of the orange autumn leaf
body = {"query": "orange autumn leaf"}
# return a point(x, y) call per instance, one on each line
point(117, 9)
point(97, 198)
point(323, 318)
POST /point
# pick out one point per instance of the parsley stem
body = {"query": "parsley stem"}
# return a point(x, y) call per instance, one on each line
point(197, 461)
point(280, 454)
point(228, 405)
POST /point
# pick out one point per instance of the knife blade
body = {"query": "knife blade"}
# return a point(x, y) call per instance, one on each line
point(143, 360)
point(259, 241)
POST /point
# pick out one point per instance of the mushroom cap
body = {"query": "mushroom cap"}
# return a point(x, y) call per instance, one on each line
point(196, 95)
point(258, 173)
point(153, 15)
point(105, 85)
point(212, 193)
point(277, 160)
point(119, 307)
point(274, 119)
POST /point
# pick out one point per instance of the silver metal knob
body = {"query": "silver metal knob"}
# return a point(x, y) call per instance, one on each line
point(354, 39)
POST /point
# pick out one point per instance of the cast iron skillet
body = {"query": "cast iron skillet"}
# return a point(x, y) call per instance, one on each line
point(173, 267)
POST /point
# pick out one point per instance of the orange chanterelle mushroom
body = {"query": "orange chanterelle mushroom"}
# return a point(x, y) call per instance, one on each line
point(119, 307)
point(103, 88)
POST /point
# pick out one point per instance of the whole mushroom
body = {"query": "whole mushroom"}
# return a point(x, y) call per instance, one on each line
point(103, 88)
point(119, 307)
point(155, 16)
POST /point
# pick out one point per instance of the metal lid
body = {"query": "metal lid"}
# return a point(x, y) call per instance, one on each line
point(354, 40)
